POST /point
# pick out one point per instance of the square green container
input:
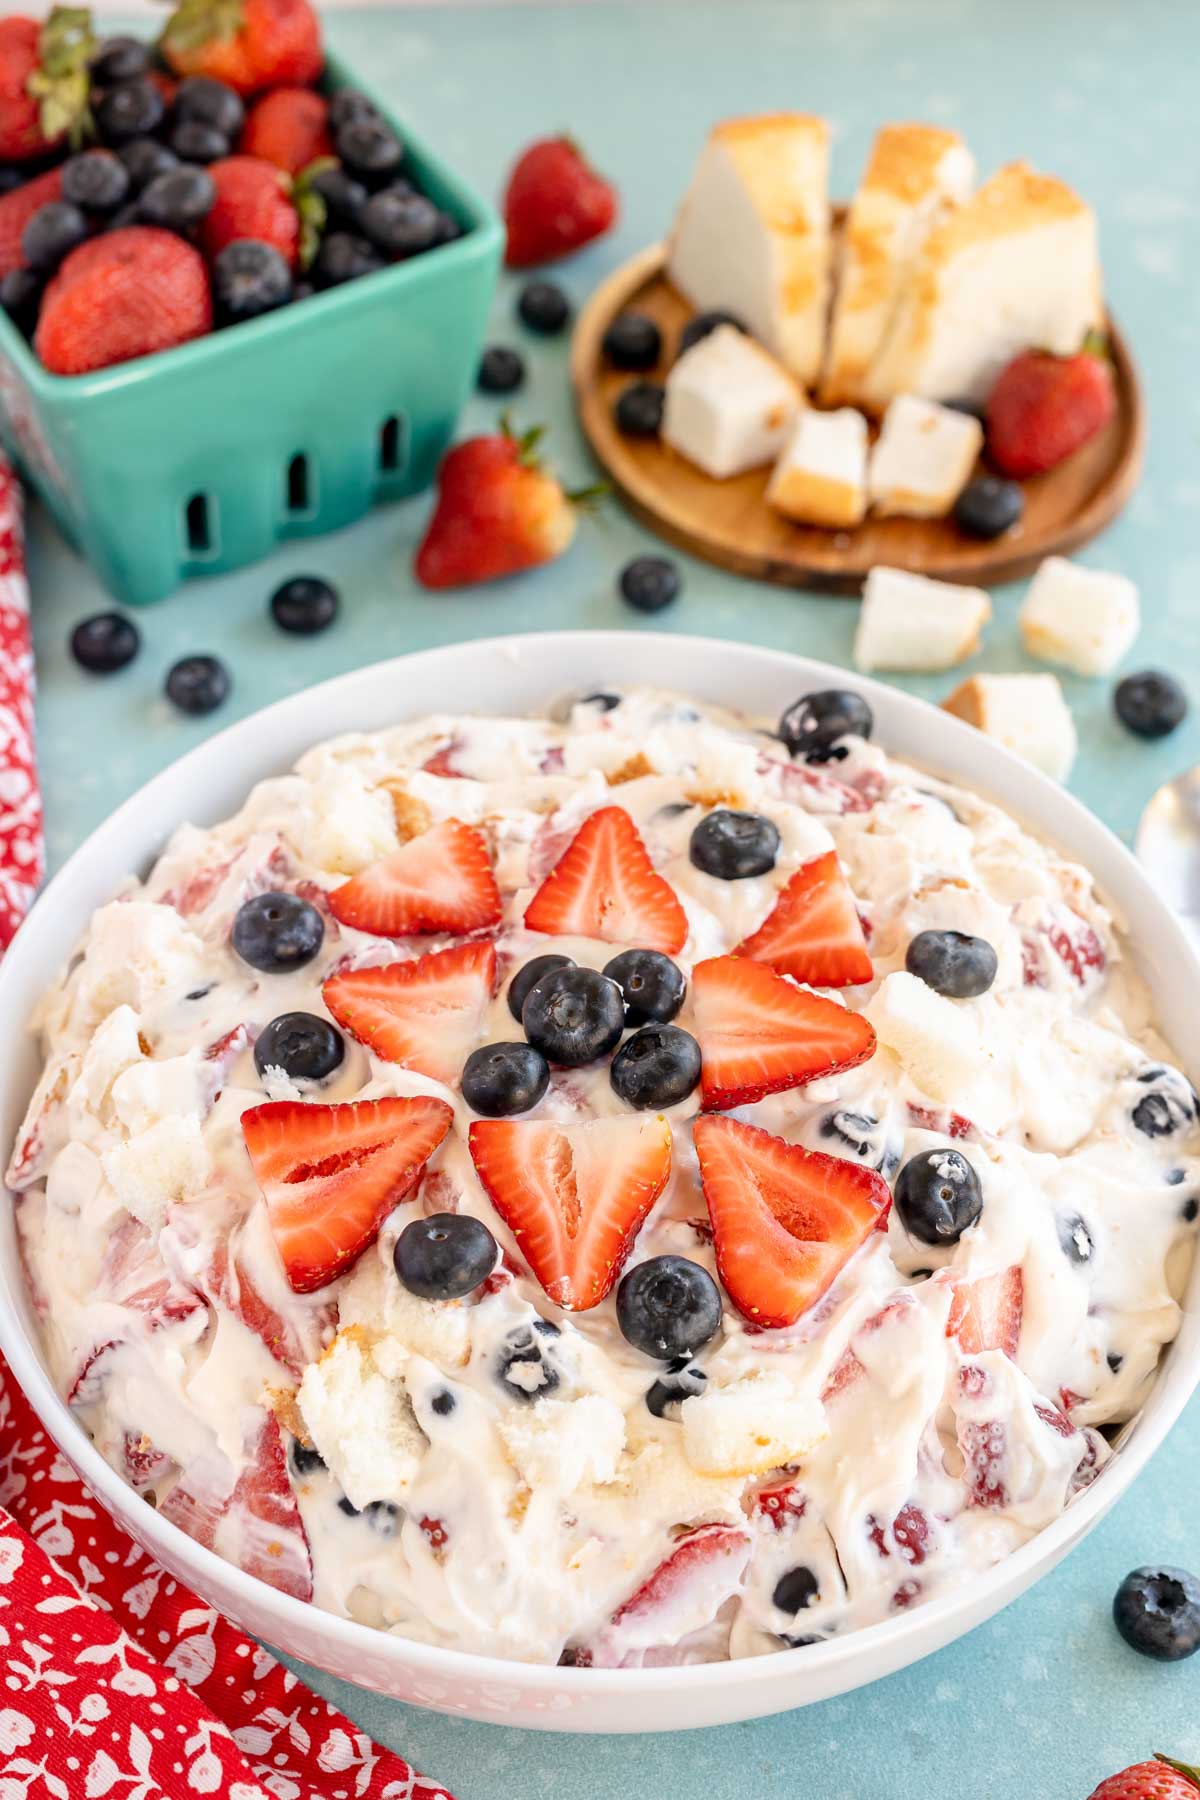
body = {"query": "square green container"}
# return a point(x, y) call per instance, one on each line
point(204, 458)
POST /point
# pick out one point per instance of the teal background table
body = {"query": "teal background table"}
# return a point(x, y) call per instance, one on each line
point(1044, 1700)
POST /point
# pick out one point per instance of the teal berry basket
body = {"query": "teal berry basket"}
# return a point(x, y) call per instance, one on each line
point(204, 458)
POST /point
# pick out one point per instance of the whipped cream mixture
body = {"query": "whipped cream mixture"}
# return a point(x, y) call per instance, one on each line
point(485, 1473)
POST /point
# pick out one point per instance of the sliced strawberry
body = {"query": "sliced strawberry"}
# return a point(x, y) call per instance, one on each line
point(781, 1505)
point(814, 933)
point(759, 1035)
point(986, 1314)
point(331, 1174)
point(573, 1196)
point(255, 1512)
point(785, 1219)
point(984, 1445)
point(232, 1287)
point(605, 887)
point(426, 1014)
point(440, 881)
point(683, 1594)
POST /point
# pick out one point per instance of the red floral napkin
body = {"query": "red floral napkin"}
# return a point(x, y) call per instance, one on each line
point(116, 1679)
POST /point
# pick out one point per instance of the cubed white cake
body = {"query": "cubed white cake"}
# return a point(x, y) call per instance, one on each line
point(1084, 619)
point(1025, 713)
point(821, 476)
point(910, 622)
point(923, 458)
point(758, 1422)
point(729, 406)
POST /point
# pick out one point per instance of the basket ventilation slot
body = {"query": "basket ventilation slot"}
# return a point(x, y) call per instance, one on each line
point(198, 525)
point(299, 485)
point(391, 445)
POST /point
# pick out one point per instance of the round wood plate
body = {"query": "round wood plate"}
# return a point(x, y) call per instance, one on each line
point(729, 522)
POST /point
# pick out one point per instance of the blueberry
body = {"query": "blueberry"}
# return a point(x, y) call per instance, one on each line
point(606, 702)
point(21, 296)
point(1189, 1210)
point(658, 1066)
point(734, 845)
point(305, 604)
point(1160, 1115)
point(1075, 1238)
point(527, 974)
point(343, 196)
point(1157, 1612)
point(198, 684)
point(543, 307)
point(633, 341)
point(952, 963)
point(250, 278)
point(211, 103)
point(526, 1368)
point(398, 223)
point(679, 1382)
point(117, 59)
point(500, 1080)
point(639, 409)
point(348, 106)
point(448, 228)
point(277, 932)
point(652, 984)
point(649, 583)
point(306, 1460)
point(573, 1016)
point(1114, 1359)
point(1150, 704)
point(444, 1256)
point(988, 507)
point(195, 142)
point(443, 1403)
point(178, 198)
point(305, 1047)
point(704, 323)
point(11, 177)
point(864, 1138)
point(370, 149)
point(796, 1591)
point(668, 1307)
point(105, 643)
point(501, 370)
point(144, 158)
point(344, 256)
point(938, 1196)
point(52, 233)
point(97, 181)
point(381, 1515)
point(132, 109)
point(814, 725)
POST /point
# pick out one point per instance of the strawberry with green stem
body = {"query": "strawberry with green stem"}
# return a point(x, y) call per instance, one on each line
point(44, 83)
point(250, 45)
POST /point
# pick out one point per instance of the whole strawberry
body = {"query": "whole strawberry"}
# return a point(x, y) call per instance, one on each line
point(16, 210)
point(497, 512)
point(555, 202)
point(248, 44)
point(43, 81)
point(289, 128)
point(1162, 1779)
point(1043, 408)
point(126, 294)
point(254, 200)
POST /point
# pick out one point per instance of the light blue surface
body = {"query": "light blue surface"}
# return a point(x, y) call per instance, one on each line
point(1044, 1700)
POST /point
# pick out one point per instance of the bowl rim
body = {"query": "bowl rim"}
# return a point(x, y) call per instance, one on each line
point(481, 238)
point(872, 1643)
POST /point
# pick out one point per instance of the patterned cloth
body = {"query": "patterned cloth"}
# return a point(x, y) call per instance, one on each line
point(116, 1679)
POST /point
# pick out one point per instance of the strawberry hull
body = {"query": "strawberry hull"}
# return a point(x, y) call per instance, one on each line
point(399, 349)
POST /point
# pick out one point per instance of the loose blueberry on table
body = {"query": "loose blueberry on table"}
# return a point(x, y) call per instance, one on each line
point(105, 643)
point(198, 684)
point(1157, 1612)
point(543, 307)
point(305, 604)
point(1151, 704)
point(649, 583)
point(501, 370)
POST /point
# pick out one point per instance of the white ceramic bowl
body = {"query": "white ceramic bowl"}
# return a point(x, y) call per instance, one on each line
point(521, 675)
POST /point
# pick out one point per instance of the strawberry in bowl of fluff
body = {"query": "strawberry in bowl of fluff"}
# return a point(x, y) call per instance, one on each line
point(642, 1187)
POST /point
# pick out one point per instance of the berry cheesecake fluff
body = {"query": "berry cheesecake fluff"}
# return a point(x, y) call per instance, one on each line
point(631, 1188)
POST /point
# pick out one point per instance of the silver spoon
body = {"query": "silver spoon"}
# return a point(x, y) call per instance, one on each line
point(1167, 844)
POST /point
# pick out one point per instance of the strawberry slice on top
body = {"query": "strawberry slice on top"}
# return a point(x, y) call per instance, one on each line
point(605, 886)
point(759, 1035)
point(574, 1196)
point(439, 881)
point(330, 1175)
point(814, 933)
point(426, 1014)
point(786, 1220)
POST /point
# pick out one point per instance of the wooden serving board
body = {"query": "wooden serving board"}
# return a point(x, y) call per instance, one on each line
point(729, 522)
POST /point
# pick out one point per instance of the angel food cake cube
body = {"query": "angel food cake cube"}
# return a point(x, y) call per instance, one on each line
point(908, 622)
point(729, 405)
point(923, 458)
point(752, 234)
point(1083, 619)
point(821, 477)
point(1025, 713)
